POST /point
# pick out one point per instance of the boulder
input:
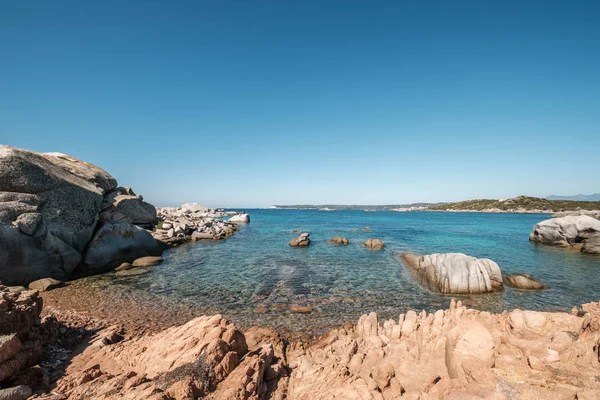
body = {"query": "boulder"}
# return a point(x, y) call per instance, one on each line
point(201, 236)
point(147, 261)
point(569, 231)
point(133, 271)
point(454, 272)
point(301, 241)
point(240, 219)
point(374, 244)
point(46, 284)
point(123, 205)
point(115, 243)
point(339, 240)
point(523, 281)
point(49, 205)
point(188, 208)
point(21, 392)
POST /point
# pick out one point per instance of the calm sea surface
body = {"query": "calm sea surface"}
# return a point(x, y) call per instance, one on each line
point(257, 267)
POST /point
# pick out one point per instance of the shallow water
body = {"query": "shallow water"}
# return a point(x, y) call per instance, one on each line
point(257, 267)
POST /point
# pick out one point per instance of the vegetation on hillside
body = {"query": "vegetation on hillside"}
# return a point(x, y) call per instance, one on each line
point(521, 202)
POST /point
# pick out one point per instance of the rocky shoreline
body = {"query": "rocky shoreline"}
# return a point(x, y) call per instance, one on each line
point(452, 353)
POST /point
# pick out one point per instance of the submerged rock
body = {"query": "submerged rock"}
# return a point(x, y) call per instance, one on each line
point(582, 232)
point(454, 272)
point(523, 281)
point(147, 261)
point(374, 244)
point(301, 241)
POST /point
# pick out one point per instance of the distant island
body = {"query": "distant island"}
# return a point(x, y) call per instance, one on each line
point(520, 204)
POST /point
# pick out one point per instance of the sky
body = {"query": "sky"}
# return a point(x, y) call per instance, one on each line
point(254, 103)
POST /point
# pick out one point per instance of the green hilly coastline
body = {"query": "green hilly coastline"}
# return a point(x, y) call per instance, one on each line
point(521, 204)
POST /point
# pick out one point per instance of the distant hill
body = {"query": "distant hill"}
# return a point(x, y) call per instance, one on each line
point(577, 197)
point(518, 204)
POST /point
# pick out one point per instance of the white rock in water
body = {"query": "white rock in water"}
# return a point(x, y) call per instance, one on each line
point(565, 231)
point(455, 272)
point(240, 219)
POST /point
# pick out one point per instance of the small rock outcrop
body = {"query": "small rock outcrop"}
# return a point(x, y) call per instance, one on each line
point(374, 244)
point(523, 281)
point(45, 284)
point(301, 241)
point(240, 219)
point(454, 272)
point(578, 232)
point(339, 240)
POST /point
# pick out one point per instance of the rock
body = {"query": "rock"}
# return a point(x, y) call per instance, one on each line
point(454, 272)
point(115, 243)
point(133, 271)
point(591, 213)
point(49, 207)
point(570, 231)
point(374, 244)
point(124, 266)
point(147, 261)
point(122, 205)
point(522, 281)
point(261, 309)
point(15, 393)
point(193, 207)
point(240, 219)
point(9, 346)
point(202, 236)
point(339, 240)
point(301, 309)
point(301, 241)
point(45, 284)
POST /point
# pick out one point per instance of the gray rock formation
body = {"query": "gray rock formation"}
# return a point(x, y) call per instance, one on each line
point(454, 272)
point(580, 232)
point(50, 205)
point(240, 219)
point(48, 213)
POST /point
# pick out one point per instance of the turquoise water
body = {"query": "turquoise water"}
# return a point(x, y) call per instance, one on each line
point(257, 267)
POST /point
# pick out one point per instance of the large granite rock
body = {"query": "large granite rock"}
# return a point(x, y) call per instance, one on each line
point(123, 205)
point(240, 219)
point(49, 207)
point(454, 272)
point(580, 232)
point(115, 243)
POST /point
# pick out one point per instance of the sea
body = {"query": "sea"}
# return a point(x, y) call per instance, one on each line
point(255, 277)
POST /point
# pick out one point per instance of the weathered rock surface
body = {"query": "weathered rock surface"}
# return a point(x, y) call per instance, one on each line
point(457, 353)
point(454, 272)
point(240, 219)
point(523, 281)
point(50, 206)
point(301, 241)
point(48, 213)
point(20, 392)
point(572, 231)
point(374, 244)
point(123, 205)
point(339, 240)
point(115, 243)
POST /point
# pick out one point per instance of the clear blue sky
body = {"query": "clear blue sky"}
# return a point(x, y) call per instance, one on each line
point(253, 103)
